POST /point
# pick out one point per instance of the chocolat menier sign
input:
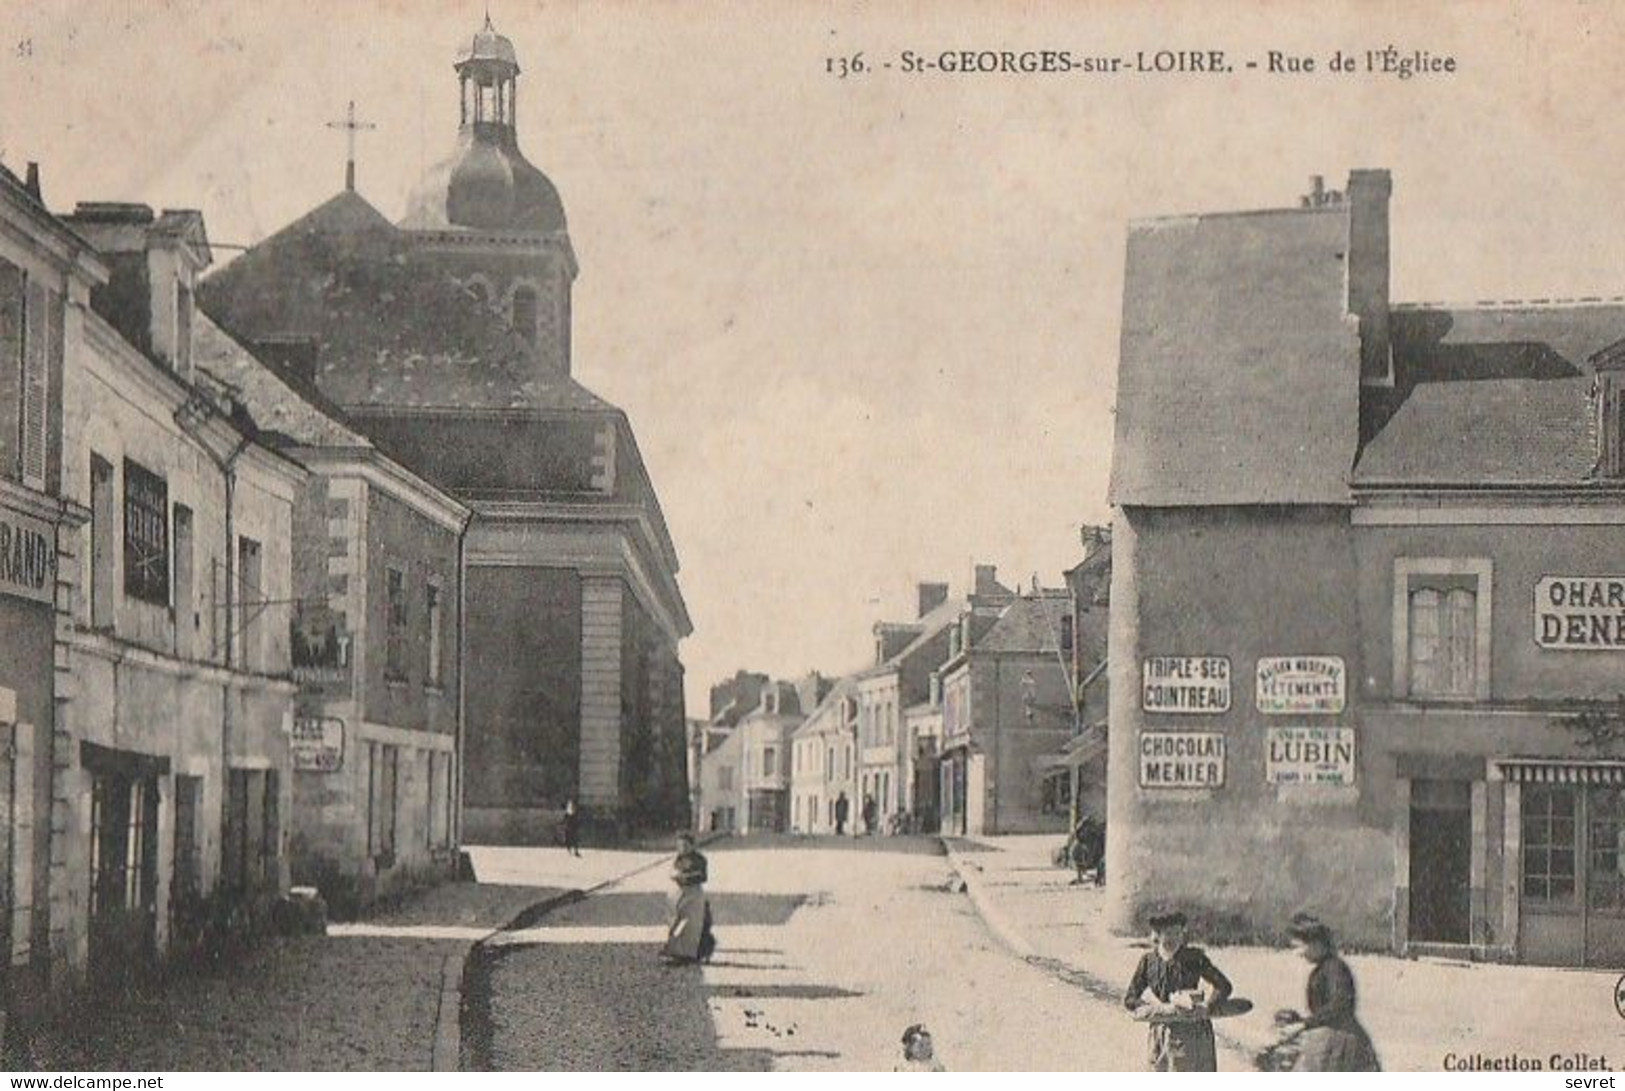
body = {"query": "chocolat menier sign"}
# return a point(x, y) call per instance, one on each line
point(1580, 613)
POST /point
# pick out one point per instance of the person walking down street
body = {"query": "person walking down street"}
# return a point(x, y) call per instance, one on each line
point(1167, 992)
point(572, 828)
point(1329, 1038)
point(689, 939)
point(1088, 849)
point(870, 814)
point(843, 807)
point(919, 1055)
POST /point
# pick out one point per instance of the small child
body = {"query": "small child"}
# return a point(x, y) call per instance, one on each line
point(918, 1053)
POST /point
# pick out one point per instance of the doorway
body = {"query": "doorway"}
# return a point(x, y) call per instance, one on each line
point(1441, 861)
point(1572, 874)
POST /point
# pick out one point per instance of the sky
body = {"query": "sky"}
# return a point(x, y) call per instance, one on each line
point(865, 329)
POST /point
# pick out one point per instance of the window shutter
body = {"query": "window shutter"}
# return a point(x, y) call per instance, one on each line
point(36, 369)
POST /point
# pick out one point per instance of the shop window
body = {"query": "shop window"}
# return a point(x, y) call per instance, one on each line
point(1442, 629)
point(1605, 848)
point(395, 624)
point(1550, 833)
point(146, 535)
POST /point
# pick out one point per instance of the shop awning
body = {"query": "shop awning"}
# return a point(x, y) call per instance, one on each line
point(1559, 771)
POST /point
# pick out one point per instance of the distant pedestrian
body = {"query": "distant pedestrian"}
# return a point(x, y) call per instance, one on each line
point(689, 939)
point(871, 814)
point(1180, 1037)
point(919, 1055)
point(843, 807)
point(1087, 849)
point(572, 828)
point(1329, 1038)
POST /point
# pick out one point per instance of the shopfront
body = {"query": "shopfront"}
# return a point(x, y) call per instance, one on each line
point(1566, 830)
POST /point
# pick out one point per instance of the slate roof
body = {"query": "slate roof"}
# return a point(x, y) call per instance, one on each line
point(394, 331)
point(1491, 395)
point(931, 625)
point(1029, 624)
point(1238, 380)
point(277, 405)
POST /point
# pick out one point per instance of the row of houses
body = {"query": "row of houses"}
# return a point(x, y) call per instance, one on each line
point(1366, 636)
point(232, 656)
point(982, 714)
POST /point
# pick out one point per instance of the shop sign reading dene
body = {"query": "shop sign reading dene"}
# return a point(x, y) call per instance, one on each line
point(1580, 613)
point(1186, 683)
point(1181, 759)
point(1300, 683)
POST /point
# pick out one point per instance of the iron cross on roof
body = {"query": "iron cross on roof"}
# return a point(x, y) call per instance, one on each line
point(350, 126)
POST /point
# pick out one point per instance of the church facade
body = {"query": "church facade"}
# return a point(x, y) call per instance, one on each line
point(446, 338)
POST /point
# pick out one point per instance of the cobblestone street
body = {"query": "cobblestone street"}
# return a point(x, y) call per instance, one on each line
point(828, 949)
point(348, 1001)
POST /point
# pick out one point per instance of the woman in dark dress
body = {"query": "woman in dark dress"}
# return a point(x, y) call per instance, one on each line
point(1329, 1038)
point(1181, 1034)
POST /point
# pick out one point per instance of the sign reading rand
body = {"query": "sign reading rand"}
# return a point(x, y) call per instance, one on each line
point(1580, 613)
point(1186, 683)
point(27, 557)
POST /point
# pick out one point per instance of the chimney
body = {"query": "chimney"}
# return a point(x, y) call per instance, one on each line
point(931, 595)
point(987, 581)
point(31, 183)
point(1368, 195)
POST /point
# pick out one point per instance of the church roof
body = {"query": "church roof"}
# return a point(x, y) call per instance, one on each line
point(394, 329)
point(486, 184)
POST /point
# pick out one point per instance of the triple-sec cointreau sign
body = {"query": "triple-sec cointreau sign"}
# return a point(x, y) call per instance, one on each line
point(1580, 613)
point(1185, 683)
point(27, 557)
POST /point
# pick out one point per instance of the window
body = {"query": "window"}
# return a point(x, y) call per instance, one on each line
point(250, 601)
point(30, 339)
point(829, 763)
point(395, 624)
point(725, 777)
point(770, 761)
point(1055, 794)
point(146, 535)
point(432, 600)
point(102, 547)
point(525, 311)
point(186, 618)
point(1611, 421)
point(1442, 629)
point(1549, 836)
point(439, 824)
point(123, 849)
point(382, 771)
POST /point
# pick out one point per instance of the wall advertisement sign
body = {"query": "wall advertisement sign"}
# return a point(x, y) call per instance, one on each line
point(1301, 683)
point(1186, 684)
point(317, 744)
point(1580, 613)
point(1309, 755)
point(27, 557)
point(1181, 759)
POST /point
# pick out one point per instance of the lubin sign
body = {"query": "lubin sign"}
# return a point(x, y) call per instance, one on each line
point(1580, 613)
point(1309, 755)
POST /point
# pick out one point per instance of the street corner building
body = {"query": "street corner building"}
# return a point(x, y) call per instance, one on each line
point(1367, 596)
point(445, 339)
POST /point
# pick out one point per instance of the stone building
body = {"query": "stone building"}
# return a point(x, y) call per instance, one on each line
point(173, 700)
point(823, 763)
point(446, 340)
point(1365, 596)
point(46, 276)
point(375, 640)
point(1007, 714)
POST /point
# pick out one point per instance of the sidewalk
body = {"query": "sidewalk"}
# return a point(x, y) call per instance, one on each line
point(374, 995)
point(1418, 1011)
